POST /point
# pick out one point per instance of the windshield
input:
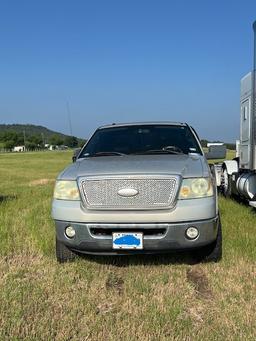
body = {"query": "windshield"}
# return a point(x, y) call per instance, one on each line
point(141, 139)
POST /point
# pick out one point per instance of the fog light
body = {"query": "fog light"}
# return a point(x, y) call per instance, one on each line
point(70, 232)
point(192, 233)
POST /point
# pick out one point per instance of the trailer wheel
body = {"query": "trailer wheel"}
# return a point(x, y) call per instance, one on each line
point(63, 254)
point(226, 183)
point(212, 252)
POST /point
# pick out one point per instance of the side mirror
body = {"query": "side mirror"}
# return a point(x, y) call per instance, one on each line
point(76, 153)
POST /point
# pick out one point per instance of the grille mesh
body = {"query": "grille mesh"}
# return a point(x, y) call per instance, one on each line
point(152, 193)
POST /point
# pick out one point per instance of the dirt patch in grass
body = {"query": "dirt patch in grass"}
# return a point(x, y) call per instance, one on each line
point(196, 313)
point(105, 308)
point(41, 182)
point(198, 278)
point(114, 282)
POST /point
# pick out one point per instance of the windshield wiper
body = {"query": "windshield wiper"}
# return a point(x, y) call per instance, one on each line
point(105, 154)
point(160, 151)
point(165, 150)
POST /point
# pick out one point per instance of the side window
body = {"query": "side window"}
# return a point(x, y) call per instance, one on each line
point(245, 115)
point(93, 143)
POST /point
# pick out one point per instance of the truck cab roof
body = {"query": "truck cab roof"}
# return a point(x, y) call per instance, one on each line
point(142, 123)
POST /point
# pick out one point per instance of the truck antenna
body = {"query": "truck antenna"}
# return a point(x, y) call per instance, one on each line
point(254, 48)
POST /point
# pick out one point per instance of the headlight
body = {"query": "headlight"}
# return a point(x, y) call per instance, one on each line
point(196, 188)
point(66, 190)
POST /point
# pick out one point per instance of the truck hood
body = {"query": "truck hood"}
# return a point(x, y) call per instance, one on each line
point(184, 165)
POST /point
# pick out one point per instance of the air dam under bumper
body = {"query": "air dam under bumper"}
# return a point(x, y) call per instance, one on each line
point(160, 237)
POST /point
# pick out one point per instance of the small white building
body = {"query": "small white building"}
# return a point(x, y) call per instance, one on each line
point(19, 149)
point(215, 144)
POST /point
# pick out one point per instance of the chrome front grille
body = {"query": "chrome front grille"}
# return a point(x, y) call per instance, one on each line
point(153, 192)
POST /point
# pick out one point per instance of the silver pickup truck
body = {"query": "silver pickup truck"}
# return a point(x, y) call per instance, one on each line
point(138, 188)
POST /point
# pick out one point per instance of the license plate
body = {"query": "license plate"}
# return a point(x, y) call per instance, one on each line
point(127, 240)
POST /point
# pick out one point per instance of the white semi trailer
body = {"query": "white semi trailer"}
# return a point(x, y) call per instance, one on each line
point(237, 177)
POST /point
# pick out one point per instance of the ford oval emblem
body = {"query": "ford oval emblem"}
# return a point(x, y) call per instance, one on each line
point(127, 192)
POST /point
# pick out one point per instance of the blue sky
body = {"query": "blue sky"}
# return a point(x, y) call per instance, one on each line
point(125, 60)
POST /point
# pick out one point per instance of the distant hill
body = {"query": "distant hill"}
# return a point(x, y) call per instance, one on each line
point(34, 137)
point(30, 129)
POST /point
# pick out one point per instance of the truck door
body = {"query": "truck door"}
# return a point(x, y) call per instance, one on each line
point(245, 133)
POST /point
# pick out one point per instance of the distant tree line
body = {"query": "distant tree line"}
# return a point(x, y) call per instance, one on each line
point(9, 139)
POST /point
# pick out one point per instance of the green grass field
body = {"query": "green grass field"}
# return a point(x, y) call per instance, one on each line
point(103, 298)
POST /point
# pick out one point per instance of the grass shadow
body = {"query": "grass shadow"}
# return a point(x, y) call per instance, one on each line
point(184, 257)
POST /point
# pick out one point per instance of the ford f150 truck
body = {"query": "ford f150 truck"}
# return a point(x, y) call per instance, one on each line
point(138, 188)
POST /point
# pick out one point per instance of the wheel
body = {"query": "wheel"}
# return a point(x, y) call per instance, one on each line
point(226, 183)
point(63, 254)
point(212, 252)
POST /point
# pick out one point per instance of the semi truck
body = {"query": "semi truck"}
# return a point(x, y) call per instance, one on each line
point(237, 177)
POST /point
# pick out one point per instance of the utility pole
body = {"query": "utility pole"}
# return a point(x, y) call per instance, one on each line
point(69, 119)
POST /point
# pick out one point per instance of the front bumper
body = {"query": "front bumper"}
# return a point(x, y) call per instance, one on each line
point(158, 237)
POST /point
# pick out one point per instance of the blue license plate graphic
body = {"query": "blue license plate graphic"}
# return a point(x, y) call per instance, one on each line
point(127, 240)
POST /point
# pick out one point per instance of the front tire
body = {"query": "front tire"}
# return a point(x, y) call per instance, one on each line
point(212, 252)
point(63, 254)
